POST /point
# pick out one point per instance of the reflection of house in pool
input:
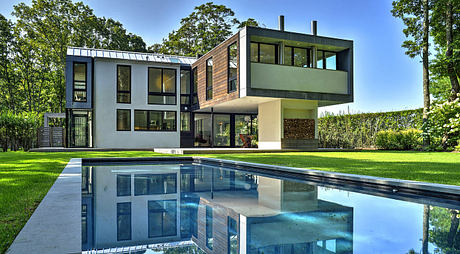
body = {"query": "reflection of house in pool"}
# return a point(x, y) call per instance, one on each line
point(221, 211)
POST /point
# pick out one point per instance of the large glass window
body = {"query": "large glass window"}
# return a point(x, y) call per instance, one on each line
point(124, 221)
point(162, 86)
point(242, 128)
point(123, 185)
point(326, 60)
point(209, 65)
point(162, 220)
point(184, 121)
point(202, 129)
point(264, 53)
point(232, 236)
point(123, 84)
point(123, 119)
point(79, 82)
point(295, 56)
point(152, 120)
point(185, 87)
point(331, 60)
point(221, 130)
point(154, 184)
point(84, 224)
point(232, 67)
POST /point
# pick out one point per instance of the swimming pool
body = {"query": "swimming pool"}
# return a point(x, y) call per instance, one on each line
point(192, 206)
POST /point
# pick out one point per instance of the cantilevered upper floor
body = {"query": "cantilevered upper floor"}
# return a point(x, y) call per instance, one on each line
point(257, 65)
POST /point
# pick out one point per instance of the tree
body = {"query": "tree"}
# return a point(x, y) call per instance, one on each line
point(7, 100)
point(416, 17)
point(446, 36)
point(43, 32)
point(201, 31)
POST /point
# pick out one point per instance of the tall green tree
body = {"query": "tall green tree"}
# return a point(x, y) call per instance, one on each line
point(7, 90)
point(446, 36)
point(415, 15)
point(42, 33)
point(205, 28)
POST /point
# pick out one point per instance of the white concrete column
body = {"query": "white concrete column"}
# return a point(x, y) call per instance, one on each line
point(270, 125)
point(281, 53)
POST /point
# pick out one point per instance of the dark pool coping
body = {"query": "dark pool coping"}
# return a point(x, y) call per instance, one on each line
point(55, 226)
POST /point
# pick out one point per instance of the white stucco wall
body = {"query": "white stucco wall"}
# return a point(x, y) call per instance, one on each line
point(105, 107)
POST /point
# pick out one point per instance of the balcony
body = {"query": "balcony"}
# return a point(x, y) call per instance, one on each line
point(289, 78)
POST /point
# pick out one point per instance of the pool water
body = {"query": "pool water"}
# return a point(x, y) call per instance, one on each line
point(193, 208)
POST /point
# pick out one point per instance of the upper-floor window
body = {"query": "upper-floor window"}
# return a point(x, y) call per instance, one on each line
point(326, 60)
point(195, 86)
point(264, 53)
point(79, 82)
point(232, 66)
point(295, 56)
point(153, 120)
point(123, 84)
point(162, 86)
point(185, 87)
point(209, 79)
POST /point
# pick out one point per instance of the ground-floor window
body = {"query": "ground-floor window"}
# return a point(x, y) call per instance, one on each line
point(123, 119)
point(153, 120)
point(225, 130)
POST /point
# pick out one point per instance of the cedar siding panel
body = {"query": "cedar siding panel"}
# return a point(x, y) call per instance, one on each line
point(220, 74)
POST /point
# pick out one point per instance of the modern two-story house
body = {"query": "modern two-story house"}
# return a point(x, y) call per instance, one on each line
point(260, 83)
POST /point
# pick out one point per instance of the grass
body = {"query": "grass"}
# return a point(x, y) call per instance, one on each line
point(25, 178)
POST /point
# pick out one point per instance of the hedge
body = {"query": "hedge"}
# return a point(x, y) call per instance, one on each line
point(360, 130)
point(18, 130)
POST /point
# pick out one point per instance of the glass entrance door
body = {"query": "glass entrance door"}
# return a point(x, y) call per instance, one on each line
point(80, 131)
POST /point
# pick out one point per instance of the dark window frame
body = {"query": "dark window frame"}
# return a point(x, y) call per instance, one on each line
point(194, 87)
point(162, 88)
point(189, 95)
point(86, 82)
point(148, 120)
point(162, 218)
point(209, 87)
point(309, 60)
point(129, 110)
point(130, 221)
point(119, 176)
point(258, 51)
point(229, 78)
point(324, 59)
point(130, 81)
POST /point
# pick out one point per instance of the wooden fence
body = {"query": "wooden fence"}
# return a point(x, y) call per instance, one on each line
point(51, 137)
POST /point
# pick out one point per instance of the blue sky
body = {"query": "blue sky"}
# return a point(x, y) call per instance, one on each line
point(384, 78)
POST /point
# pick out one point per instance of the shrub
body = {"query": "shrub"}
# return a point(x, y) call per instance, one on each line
point(443, 126)
point(399, 140)
point(359, 130)
point(18, 130)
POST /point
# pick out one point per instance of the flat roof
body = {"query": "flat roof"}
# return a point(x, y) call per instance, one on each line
point(129, 55)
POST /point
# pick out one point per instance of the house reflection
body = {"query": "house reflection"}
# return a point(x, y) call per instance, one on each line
point(219, 210)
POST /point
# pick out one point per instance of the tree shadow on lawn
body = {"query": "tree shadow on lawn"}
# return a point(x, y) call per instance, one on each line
point(438, 172)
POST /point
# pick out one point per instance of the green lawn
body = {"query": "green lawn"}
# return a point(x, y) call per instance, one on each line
point(25, 178)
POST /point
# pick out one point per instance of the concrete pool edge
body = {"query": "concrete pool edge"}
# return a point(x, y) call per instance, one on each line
point(55, 226)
